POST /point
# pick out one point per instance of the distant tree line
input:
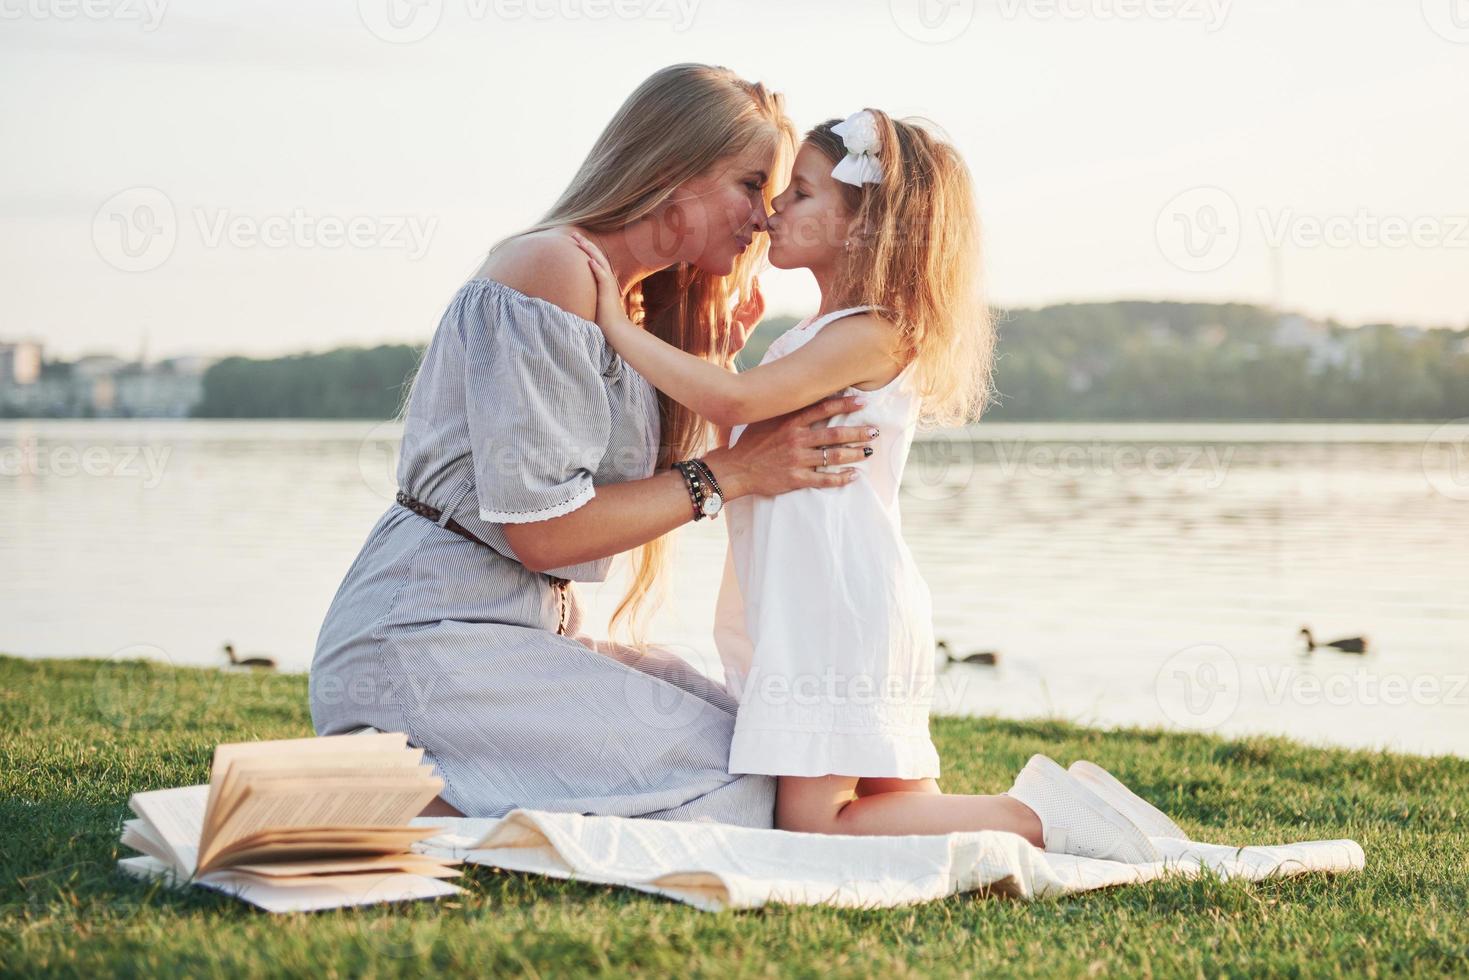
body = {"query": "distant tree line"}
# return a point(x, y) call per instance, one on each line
point(1159, 361)
point(1078, 361)
point(347, 383)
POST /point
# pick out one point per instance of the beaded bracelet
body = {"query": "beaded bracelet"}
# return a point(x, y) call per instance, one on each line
point(709, 475)
point(691, 479)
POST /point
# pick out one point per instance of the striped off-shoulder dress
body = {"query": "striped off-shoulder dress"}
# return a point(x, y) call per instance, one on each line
point(518, 412)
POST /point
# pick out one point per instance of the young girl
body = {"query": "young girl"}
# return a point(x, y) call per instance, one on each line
point(824, 622)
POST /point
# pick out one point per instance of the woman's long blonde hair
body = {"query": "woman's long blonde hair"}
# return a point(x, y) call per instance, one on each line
point(678, 123)
point(917, 254)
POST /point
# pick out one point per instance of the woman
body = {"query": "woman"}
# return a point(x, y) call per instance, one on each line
point(532, 454)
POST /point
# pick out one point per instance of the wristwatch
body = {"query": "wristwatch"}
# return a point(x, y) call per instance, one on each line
point(713, 501)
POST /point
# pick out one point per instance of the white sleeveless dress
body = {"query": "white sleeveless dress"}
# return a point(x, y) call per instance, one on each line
point(824, 624)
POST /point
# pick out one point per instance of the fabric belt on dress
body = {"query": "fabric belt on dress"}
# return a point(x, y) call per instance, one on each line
point(437, 516)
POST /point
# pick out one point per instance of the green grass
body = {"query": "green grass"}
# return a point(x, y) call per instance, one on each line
point(77, 736)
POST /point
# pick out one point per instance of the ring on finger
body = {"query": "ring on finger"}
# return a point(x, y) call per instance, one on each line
point(823, 456)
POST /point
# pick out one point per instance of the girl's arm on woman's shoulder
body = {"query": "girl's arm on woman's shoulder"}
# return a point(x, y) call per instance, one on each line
point(850, 350)
point(847, 352)
point(548, 266)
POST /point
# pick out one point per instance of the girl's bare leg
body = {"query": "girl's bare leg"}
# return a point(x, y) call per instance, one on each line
point(870, 785)
point(831, 805)
point(437, 807)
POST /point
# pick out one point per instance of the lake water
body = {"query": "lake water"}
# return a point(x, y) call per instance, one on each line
point(1152, 574)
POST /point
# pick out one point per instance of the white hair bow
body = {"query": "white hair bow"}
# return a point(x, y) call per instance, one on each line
point(859, 134)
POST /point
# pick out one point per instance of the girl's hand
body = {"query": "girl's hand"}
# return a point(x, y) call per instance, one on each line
point(611, 315)
point(747, 317)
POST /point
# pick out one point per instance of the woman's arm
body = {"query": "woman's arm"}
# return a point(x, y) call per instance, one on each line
point(771, 457)
point(853, 349)
point(620, 517)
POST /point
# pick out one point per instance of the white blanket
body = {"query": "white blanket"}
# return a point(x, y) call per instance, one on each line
point(716, 866)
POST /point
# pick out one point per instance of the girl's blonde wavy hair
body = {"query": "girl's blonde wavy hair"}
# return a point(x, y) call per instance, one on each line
point(917, 255)
point(679, 122)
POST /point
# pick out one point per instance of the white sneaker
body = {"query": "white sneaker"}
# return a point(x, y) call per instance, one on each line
point(1148, 818)
point(1075, 819)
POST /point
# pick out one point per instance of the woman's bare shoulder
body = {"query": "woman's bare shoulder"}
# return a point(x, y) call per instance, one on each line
point(548, 265)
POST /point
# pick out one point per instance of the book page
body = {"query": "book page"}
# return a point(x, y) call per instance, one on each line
point(272, 848)
point(322, 892)
point(175, 819)
point(298, 750)
point(393, 770)
point(380, 742)
point(408, 863)
point(311, 802)
point(327, 891)
point(135, 834)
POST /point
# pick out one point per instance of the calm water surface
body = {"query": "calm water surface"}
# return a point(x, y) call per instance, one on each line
point(1126, 574)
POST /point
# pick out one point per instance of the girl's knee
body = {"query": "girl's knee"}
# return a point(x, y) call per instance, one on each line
point(812, 804)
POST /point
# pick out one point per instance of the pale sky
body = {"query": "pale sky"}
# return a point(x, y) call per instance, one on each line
point(1149, 149)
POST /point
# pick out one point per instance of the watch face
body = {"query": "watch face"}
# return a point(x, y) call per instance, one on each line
point(711, 505)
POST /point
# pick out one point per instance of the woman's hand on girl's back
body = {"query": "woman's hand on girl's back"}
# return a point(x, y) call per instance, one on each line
point(782, 453)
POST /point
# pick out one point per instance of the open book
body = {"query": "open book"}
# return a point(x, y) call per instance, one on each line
point(296, 825)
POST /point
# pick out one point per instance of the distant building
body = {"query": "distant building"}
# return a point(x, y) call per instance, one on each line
point(94, 383)
point(20, 363)
point(1160, 332)
point(169, 389)
point(1212, 335)
point(98, 385)
point(1324, 347)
